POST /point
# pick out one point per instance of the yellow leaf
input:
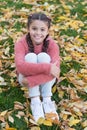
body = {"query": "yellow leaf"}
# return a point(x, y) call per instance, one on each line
point(79, 41)
point(54, 89)
point(47, 123)
point(65, 117)
point(65, 114)
point(61, 93)
point(40, 120)
point(63, 18)
point(11, 128)
point(4, 113)
point(67, 58)
point(75, 24)
point(73, 121)
point(24, 88)
point(35, 128)
point(77, 111)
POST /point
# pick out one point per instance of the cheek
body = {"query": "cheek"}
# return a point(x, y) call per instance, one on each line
point(31, 32)
point(46, 33)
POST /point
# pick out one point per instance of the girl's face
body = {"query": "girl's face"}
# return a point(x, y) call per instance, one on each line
point(38, 31)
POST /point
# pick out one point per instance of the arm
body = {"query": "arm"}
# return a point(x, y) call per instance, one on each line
point(27, 68)
point(55, 62)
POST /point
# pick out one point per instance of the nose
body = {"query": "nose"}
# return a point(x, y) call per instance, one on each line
point(38, 32)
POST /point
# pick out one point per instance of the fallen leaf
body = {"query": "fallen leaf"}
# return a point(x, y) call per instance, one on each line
point(18, 105)
point(11, 128)
point(35, 128)
point(47, 123)
point(73, 121)
point(3, 113)
point(2, 119)
point(40, 121)
point(84, 124)
point(32, 121)
point(11, 119)
point(0, 64)
point(54, 89)
point(61, 93)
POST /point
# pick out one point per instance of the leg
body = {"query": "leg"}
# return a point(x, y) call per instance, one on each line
point(30, 57)
point(48, 105)
point(34, 93)
point(43, 58)
point(46, 91)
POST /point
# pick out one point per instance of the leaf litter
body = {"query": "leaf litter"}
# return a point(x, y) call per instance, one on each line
point(69, 31)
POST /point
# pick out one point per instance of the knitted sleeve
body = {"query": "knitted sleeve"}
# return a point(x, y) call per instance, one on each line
point(27, 68)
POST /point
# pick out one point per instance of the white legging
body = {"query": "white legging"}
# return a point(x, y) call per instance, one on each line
point(44, 89)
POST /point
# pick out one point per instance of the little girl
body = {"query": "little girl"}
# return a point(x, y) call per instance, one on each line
point(38, 64)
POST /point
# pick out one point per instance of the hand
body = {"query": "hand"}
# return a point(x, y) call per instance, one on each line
point(55, 71)
point(25, 82)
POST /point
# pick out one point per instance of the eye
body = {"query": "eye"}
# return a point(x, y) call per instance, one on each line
point(42, 29)
point(34, 28)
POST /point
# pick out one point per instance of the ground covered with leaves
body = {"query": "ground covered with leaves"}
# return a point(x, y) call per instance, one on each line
point(69, 29)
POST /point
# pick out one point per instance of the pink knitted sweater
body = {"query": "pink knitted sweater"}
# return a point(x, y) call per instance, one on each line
point(36, 73)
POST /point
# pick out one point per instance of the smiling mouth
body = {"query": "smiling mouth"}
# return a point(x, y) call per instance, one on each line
point(37, 37)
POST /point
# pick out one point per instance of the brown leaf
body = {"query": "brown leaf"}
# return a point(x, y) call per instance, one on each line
point(0, 64)
point(18, 105)
point(2, 119)
point(84, 124)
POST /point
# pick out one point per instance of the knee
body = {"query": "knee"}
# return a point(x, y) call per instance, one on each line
point(43, 57)
point(31, 57)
